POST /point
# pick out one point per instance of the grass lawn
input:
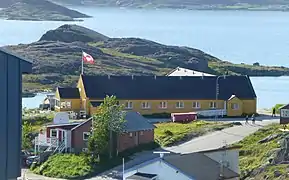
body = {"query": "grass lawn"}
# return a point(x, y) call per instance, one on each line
point(253, 154)
point(167, 134)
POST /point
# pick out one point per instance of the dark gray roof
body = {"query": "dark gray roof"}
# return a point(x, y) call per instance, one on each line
point(141, 176)
point(69, 93)
point(167, 87)
point(199, 166)
point(26, 65)
point(95, 104)
point(136, 122)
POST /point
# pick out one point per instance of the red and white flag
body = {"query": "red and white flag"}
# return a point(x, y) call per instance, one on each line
point(87, 58)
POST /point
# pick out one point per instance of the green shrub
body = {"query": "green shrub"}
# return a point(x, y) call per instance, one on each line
point(277, 108)
point(65, 166)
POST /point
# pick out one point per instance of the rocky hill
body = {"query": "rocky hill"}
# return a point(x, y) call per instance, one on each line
point(57, 58)
point(39, 10)
point(189, 4)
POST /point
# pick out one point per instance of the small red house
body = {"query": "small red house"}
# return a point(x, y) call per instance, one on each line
point(73, 137)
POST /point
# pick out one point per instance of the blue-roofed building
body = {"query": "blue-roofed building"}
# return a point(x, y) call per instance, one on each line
point(11, 69)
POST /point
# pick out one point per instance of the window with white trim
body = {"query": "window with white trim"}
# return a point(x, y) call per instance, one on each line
point(86, 136)
point(180, 104)
point(163, 105)
point(141, 133)
point(53, 133)
point(196, 105)
point(145, 105)
point(213, 104)
point(130, 134)
point(57, 103)
point(235, 106)
point(65, 104)
point(128, 105)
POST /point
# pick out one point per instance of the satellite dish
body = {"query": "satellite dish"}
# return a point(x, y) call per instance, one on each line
point(61, 118)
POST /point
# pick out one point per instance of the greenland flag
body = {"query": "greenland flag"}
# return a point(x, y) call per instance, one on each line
point(87, 58)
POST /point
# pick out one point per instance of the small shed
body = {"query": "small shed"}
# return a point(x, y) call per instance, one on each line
point(284, 114)
point(11, 69)
point(184, 117)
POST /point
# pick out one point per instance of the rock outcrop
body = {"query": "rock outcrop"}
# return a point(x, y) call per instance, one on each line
point(73, 33)
point(39, 10)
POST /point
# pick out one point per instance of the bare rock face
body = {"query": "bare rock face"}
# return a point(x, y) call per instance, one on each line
point(72, 33)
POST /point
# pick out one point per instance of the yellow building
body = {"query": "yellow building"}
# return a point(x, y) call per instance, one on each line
point(161, 94)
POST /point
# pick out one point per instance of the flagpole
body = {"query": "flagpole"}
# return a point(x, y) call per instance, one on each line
point(82, 63)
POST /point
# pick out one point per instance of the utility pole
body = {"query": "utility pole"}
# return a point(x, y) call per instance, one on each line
point(217, 93)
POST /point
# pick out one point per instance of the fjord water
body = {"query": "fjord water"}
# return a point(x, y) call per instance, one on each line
point(236, 36)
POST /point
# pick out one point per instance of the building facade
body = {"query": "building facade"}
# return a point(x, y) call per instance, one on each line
point(73, 136)
point(162, 94)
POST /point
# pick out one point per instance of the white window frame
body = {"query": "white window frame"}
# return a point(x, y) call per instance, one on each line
point(51, 133)
point(180, 105)
point(68, 104)
point(235, 107)
point(141, 133)
point(196, 105)
point(85, 133)
point(128, 105)
point(145, 105)
point(213, 104)
point(57, 103)
point(130, 134)
point(163, 105)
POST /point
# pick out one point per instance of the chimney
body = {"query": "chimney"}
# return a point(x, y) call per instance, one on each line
point(155, 76)
point(132, 77)
point(108, 76)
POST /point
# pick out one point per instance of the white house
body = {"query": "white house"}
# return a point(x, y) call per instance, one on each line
point(187, 72)
point(214, 164)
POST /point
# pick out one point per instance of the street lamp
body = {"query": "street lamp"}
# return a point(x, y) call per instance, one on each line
point(217, 91)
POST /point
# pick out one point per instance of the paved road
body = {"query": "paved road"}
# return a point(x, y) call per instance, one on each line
point(210, 141)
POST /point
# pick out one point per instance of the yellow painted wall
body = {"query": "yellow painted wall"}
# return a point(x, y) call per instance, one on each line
point(75, 104)
point(82, 94)
point(234, 112)
point(171, 106)
point(249, 106)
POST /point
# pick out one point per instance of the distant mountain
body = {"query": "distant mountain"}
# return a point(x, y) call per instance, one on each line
point(188, 4)
point(57, 58)
point(39, 10)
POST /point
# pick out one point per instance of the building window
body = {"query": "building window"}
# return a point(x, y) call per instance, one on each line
point(180, 104)
point(196, 105)
point(234, 106)
point(163, 105)
point(85, 136)
point(68, 104)
point(128, 105)
point(53, 133)
point(141, 133)
point(65, 104)
point(213, 105)
point(57, 103)
point(130, 134)
point(145, 105)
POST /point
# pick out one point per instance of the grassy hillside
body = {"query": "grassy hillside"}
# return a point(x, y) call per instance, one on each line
point(57, 58)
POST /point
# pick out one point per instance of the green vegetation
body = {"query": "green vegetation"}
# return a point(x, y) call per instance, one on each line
point(26, 138)
point(67, 166)
point(277, 108)
point(108, 120)
point(254, 155)
point(167, 134)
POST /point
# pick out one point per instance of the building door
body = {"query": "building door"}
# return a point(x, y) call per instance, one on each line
point(136, 138)
point(63, 136)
